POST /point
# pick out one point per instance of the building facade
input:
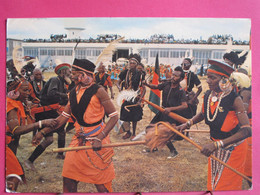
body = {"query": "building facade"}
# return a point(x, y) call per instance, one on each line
point(172, 54)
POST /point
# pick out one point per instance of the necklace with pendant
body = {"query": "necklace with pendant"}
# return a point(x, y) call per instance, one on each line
point(211, 104)
point(214, 99)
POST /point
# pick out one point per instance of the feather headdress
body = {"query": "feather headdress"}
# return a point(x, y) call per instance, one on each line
point(107, 53)
point(127, 95)
point(17, 61)
point(240, 80)
point(248, 63)
point(20, 63)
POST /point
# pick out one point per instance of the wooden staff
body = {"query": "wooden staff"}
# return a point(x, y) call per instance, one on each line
point(197, 131)
point(200, 148)
point(103, 146)
point(171, 114)
point(126, 107)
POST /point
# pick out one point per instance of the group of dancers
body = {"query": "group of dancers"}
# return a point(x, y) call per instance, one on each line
point(79, 97)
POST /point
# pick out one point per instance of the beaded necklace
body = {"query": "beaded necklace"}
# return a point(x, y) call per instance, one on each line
point(216, 111)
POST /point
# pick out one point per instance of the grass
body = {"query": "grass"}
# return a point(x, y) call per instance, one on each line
point(135, 171)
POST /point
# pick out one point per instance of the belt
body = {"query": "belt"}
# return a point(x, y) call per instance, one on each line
point(92, 132)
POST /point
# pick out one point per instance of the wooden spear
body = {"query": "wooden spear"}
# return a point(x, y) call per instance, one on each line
point(103, 146)
point(171, 114)
point(200, 148)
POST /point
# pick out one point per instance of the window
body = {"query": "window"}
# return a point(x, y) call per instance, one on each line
point(60, 52)
point(80, 53)
point(43, 52)
point(218, 54)
point(31, 52)
point(201, 56)
point(174, 54)
point(144, 53)
point(164, 53)
point(51, 52)
point(68, 52)
point(182, 54)
point(153, 53)
point(96, 52)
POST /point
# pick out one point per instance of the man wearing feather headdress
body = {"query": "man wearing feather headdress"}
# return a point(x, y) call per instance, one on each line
point(132, 81)
point(88, 103)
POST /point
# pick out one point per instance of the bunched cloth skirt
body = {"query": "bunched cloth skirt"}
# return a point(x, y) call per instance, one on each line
point(135, 114)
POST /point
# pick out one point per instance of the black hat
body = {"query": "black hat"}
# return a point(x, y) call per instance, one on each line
point(83, 65)
point(220, 68)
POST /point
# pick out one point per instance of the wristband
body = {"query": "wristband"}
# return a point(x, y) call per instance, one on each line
point(221, 143)
point(40, 124)
point(95, 138)
point(189, 124)
point(216, 145)
point(103, 133)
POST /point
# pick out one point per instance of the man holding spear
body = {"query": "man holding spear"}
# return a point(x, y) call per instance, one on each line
point(173, 100)
point(88, 103)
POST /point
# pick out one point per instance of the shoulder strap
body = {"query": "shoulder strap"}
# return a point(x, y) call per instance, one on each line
point(78, 109)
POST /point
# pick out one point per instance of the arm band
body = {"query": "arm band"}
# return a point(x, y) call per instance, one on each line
point(237, 113)
point(216, 145)
point(95, 138)
point(221, 143)
point(40, 124)
point(66, 115)
point(14, 129)
point(189, 124)
point(112, 114)
point(103, 133)
point(245, 126)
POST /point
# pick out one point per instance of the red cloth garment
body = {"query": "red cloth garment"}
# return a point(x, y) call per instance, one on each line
point(12, 165)
point(229, 180)
point(87, 165)
point(224, 125)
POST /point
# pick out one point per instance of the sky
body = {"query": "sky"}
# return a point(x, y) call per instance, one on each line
point(136, 28)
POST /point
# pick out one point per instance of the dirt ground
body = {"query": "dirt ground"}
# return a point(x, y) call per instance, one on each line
point(135, 171)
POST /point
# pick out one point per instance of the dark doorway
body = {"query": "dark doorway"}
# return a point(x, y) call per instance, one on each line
point(120, 53)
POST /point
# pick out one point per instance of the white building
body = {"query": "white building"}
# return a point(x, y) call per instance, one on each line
point(173, 54)
point(10, 45)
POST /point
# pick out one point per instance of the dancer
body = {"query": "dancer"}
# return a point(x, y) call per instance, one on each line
point(132, 80)
point(173, 100)
point(189, 82)
point(88, 103)
point(224, 112)
point(17, 98)
point(103, 79)
point(53, 92)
